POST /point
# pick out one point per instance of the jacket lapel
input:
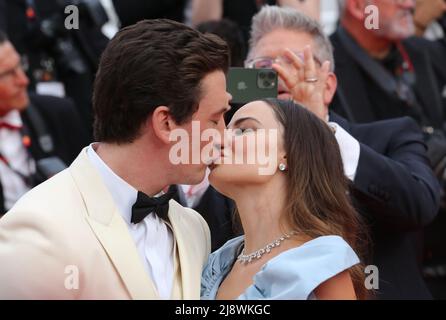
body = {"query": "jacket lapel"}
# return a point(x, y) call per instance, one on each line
point(110, 229)
point(190, 278)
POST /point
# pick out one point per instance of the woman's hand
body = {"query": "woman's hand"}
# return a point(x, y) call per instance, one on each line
point(305, 82)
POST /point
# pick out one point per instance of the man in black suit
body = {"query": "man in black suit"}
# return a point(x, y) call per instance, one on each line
point(396, 192)
point(385, 73)
point(393, 186)
point(38, 134)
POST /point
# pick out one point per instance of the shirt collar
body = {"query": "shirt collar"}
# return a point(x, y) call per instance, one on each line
point(122, 193)
point(12, 118)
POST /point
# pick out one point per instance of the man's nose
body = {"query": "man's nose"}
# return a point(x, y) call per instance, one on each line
point(21, 78)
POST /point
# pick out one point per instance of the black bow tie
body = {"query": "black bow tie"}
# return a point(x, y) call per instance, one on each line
point(145, 205)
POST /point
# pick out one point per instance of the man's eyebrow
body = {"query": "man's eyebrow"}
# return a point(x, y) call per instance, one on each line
point(223, 110)
point(2, 73)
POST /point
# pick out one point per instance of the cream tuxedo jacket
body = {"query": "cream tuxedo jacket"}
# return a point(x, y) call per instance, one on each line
point(65, 240)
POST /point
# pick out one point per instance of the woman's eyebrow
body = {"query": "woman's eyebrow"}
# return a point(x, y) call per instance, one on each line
point(238, 121)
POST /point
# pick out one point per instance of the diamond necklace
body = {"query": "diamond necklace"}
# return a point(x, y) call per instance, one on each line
point(247, 258)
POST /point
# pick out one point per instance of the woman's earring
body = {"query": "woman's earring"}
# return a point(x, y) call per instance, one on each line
point(282, 167)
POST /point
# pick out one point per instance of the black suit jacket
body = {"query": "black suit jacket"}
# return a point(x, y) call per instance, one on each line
point(353, 86)
point(2, 17)
point(132, 11)
point(218, 211)
point(63, 123)
point(437, 52)
point(397, 193)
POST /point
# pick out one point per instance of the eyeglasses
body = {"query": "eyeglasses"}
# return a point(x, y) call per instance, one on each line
point(267, 62)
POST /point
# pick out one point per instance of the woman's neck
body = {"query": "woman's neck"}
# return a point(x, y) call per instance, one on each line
point(261, 213)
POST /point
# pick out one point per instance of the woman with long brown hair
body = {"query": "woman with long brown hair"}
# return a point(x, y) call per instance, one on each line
point(302, 237)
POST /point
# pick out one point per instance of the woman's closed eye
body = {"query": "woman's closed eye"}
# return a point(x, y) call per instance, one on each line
point(242, 131)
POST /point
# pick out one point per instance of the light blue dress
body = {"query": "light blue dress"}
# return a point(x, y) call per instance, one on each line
point(291, 275)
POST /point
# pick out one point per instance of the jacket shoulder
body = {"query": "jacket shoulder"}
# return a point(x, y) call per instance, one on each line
point(404, 127)
point(46, 200)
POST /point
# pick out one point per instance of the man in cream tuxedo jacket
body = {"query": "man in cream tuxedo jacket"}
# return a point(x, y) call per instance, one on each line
point(44, 249)
point(96, 230)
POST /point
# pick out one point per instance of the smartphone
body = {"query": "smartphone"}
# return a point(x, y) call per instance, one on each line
point(246, 85)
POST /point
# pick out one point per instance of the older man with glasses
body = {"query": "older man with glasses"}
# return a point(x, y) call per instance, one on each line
point(32, 128)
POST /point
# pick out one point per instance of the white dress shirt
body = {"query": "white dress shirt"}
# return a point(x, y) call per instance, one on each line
point(12, 148)
point(192, 194)
point(152, 237)
point(350, 151)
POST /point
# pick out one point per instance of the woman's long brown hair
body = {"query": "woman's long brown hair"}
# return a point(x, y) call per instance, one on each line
point(318, 202)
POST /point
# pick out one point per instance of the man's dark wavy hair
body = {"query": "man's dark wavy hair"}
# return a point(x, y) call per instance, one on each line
point(149, 64)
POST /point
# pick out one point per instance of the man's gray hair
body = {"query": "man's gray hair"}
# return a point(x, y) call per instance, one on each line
point(271, 18)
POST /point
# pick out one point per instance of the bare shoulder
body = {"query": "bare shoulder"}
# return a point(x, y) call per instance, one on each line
point(339, 287)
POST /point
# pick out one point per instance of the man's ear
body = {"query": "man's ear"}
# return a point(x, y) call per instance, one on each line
point(356, 8)
point(162, 123)
point(330, 88)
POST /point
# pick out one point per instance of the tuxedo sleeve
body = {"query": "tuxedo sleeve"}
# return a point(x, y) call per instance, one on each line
point(398, 189)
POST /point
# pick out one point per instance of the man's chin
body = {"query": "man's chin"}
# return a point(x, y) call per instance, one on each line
point(17, 105)
point(198, 176)
point(22, 103)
